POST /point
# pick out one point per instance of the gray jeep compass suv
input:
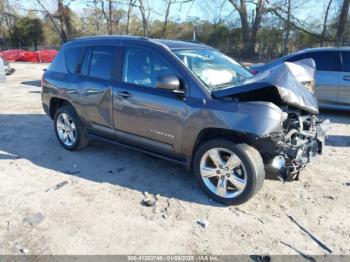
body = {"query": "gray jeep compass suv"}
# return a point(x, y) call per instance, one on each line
point(186, 103)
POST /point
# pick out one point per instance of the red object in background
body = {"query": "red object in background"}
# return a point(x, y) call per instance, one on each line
point(46, 56)
point(41, 56)
point(29, 57)
point(11, 55)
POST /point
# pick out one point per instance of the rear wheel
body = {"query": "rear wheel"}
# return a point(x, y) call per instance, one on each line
point(69, 130)
point(229, 173)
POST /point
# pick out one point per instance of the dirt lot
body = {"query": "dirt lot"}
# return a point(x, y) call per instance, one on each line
point(99, 210)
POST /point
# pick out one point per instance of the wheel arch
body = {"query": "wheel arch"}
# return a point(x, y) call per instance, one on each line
point(216, 133)
point(56, 103)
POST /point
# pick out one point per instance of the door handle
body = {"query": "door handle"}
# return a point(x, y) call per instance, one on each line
point(346, 78)
point(124, 94)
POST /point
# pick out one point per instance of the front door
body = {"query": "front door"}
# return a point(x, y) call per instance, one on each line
point(144, 115)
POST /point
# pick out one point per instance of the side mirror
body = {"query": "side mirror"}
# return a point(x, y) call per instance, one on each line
point(168, 82)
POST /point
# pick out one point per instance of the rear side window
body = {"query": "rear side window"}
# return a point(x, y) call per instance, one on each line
point(72, 57)
point(101, 62)
point(325, 61)
point(346, 61)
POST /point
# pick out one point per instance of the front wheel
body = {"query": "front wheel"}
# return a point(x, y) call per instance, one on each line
point(229, 173)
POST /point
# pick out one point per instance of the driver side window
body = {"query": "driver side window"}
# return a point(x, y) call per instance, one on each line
point(143, 67)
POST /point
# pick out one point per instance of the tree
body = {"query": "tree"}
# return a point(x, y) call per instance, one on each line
point(7, 20)
point(249, 35)
point(144, 17)
point(169, 3)
point(343, 18)
point(167, 12)
point(61, 19)
point(325, 22)
point(128, 16)
point(107, 17)
point(63, 14)
point(118, 16)
point(28, 31)
point(294, 22)
point(97, 17)
point(287, 27)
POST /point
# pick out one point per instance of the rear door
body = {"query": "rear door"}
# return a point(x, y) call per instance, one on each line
point(95, 86)
point(327, 74)
point(344, 79)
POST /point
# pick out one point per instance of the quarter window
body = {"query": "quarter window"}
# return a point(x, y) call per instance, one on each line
point(143, 67)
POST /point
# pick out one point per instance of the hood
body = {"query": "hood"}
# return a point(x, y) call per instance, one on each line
point(288, 78)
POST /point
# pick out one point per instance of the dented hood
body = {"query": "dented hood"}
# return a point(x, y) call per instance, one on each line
point(288, 78)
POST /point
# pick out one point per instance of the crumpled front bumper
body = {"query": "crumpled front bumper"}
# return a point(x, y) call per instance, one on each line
point(289, 169)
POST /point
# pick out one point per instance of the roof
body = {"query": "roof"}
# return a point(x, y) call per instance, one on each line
point(172, 44)
point(315, 49)
point(343, 48)
point(176, 44)
point(303, 51)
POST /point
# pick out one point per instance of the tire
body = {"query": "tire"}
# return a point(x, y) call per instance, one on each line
point(248, 173)
point(79, 131)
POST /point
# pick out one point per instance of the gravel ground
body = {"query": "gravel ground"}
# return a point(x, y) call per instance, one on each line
point(98, 210)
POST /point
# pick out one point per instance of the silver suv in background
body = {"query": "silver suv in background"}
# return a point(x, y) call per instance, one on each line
point(332, 74)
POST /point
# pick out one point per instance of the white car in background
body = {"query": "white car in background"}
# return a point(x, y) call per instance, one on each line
point(2, 71)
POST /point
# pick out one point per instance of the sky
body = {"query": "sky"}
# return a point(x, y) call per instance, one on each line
point(305, 10)
point(209, 9)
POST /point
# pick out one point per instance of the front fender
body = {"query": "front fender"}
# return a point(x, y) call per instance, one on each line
point(256, 119)
point(250, 119)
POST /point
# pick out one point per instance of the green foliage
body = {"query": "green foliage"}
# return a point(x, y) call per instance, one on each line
point(270, 41)
point(50, 35)
point(28, 31)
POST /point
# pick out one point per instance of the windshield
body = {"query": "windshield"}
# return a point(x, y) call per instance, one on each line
point(213, 68)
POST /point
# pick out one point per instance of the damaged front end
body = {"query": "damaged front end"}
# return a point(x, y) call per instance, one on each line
point(290, 86)
point(301, 142)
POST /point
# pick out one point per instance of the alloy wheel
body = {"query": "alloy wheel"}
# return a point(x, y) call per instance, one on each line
point(66, 129)
point(223, 172)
